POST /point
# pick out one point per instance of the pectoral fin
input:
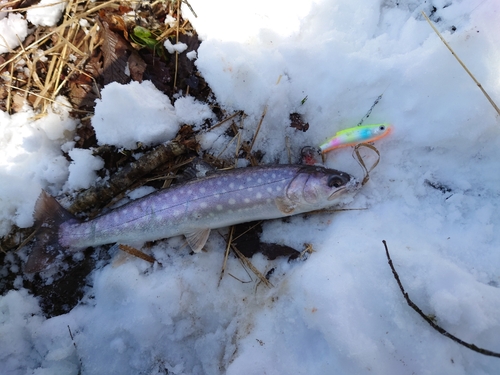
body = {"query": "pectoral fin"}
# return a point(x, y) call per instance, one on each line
point(197, 239)
point(286, 206)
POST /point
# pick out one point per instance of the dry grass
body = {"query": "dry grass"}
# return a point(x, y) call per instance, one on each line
point(39, 70)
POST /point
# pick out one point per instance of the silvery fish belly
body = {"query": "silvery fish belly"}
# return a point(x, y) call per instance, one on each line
point(193, 208)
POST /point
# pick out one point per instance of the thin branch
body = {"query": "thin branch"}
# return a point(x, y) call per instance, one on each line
point(258, 129)
point(137, 253)
point(429, 320)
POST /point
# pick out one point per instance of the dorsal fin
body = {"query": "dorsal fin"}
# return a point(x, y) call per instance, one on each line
point(197, 169)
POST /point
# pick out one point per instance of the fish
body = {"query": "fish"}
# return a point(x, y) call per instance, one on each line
point(192, 208)
point(355, 135)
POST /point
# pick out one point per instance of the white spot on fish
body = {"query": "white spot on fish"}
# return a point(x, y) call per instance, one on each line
point(203, 205)
point(174, 198)
point(258, 196)
point(278, 188)
point(219, 207)
point(202, 190)
point(269, 189)
point(246, 200)
point(250, 189)
point(273, 175)
point(219, 183)
point(231, 201)
point(249, 179)
point(259, 180)
point(231, 185)
point(240, 187)
point(268, 200)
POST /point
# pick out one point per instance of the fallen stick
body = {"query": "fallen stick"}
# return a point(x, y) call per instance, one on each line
point(429, 320)
point(101, 193)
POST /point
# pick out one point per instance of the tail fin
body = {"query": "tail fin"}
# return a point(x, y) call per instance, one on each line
point(49, 215)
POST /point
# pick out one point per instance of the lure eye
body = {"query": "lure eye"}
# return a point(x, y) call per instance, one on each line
point(335, 182)
point(382, 127)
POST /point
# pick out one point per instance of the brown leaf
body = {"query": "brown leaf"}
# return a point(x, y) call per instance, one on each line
point(115, 23)
point(123, 9)
point(115, 50)
point(82, 95)
point(137, 66)
point(17, 102)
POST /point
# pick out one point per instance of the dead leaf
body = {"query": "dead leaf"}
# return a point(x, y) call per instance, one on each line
point(115, 50)
point(137, 67)
point(297, 122)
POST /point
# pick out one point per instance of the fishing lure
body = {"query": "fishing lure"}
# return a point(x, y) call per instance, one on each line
point(355, 135)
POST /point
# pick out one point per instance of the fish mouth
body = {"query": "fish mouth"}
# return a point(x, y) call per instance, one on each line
point(352, 185)
point(336, 193)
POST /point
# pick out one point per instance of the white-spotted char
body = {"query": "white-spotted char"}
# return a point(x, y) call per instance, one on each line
point(191, 209)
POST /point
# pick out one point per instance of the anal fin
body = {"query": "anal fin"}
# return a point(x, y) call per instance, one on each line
point(197, 239)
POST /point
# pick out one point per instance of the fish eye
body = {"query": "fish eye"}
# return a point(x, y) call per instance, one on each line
point(335, 181)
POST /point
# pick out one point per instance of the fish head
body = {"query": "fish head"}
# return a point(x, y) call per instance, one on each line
point(317, 187)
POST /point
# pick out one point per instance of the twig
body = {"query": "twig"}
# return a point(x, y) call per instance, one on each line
point(137, 253)
point(74, 344)
point(177, 41)
point(461, 63)
point(249, 264)
point(226, 254)
point(429, 320)
point(258, 129)
point(225, 120)
point(190, 8)
point(103, 192)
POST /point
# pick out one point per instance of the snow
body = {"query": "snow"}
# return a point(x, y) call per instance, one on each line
point(177, 47)
point(13, 28)
point(340, 311)
point(191, 111)
point(82, 170)
point(140, 113)
point(46, 12)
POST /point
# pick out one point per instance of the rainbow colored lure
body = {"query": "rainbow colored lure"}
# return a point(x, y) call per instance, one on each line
point(358, 134)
